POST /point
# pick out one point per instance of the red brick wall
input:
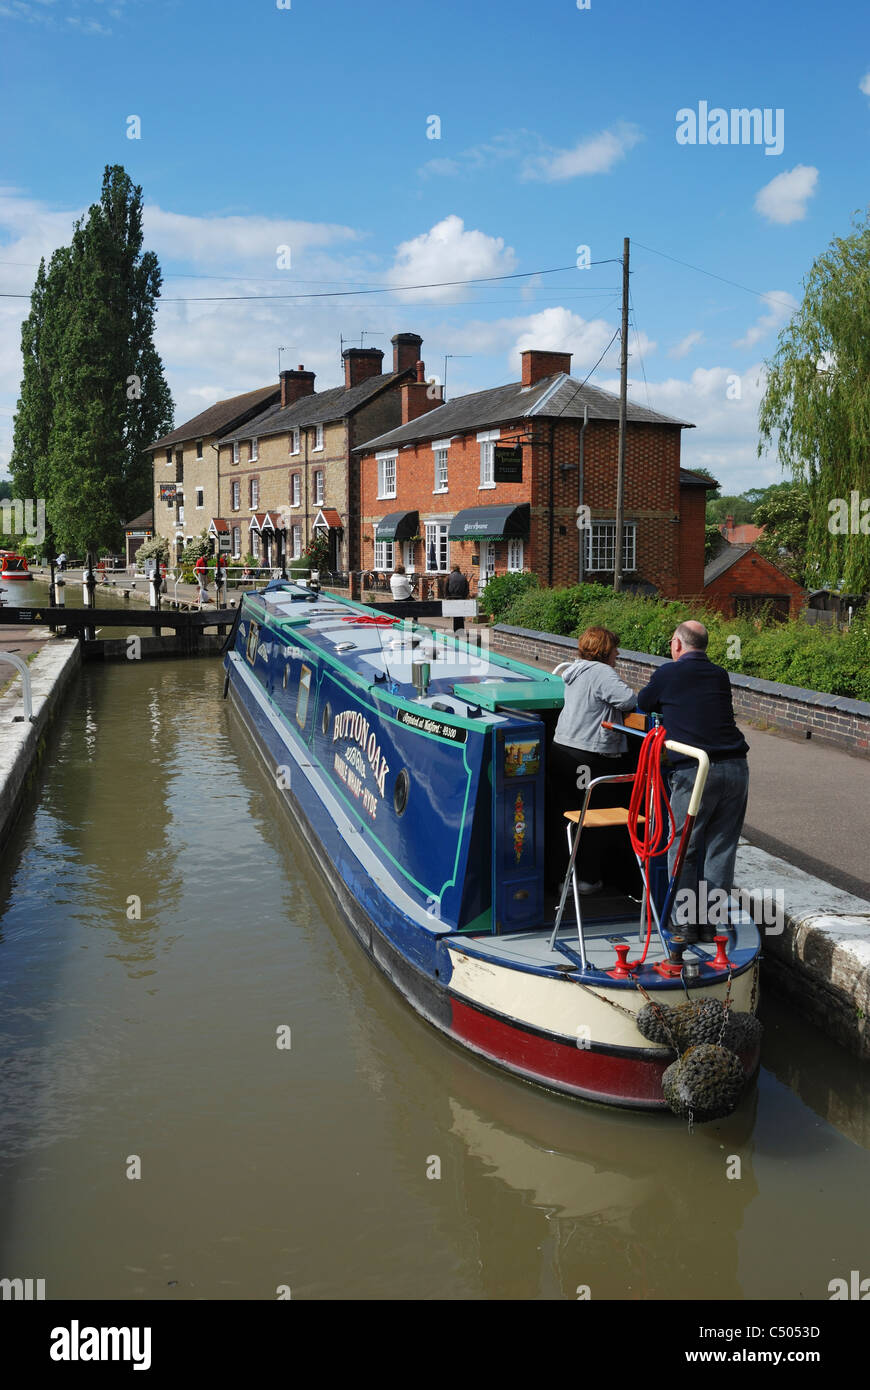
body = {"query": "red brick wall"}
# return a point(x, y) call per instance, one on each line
point(415, 481)
point(693, 519)
point(752, 575)
point(652, 499)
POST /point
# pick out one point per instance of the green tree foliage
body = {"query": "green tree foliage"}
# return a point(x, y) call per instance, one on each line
point(158, 545)
point(793, 653)
point(503, 589)
point(785, 516)
point(93, 392)
point(738, 507)
point(713, 542)
point(817, 403)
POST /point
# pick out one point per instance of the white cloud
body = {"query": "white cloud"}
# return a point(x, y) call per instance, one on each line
point(725, 436)
point(596, 154)
point(443, 167)
point(244, 242)
point(864, 84)
point(560, 330)
point(685, 345)
point(509, 145)
point(785, 198)
point(554, 329)
point(782, 306)
point(449, 252)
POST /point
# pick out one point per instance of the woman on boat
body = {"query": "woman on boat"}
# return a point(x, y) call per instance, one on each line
point(582, 751)
point(400, 585)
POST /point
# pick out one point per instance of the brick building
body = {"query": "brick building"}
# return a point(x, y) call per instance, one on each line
point(739, 582)
point(185, 467)
point(493, 482)
point(292, 468)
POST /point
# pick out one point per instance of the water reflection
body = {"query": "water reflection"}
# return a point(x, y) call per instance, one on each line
point(311, 1166)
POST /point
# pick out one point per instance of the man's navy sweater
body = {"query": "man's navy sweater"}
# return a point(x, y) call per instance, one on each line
point(693, 697)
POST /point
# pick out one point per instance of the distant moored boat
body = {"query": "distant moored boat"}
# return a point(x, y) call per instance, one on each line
point(14, 566)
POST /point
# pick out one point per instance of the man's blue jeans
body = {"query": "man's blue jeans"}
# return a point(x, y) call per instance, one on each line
point(719, 822)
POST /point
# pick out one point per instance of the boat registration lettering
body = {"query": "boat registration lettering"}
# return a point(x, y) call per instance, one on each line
point(351, 726)
point(432, 726)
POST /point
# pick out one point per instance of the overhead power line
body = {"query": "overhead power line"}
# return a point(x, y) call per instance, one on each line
point(771, 298)
point(347, 294)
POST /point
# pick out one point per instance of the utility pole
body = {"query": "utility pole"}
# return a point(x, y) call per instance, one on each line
point(623, 409)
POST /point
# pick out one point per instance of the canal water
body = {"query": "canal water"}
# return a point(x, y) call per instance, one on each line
point(159, 937)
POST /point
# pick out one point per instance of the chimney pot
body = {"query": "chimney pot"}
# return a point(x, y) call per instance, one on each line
point(361, 363)
point(418, 396)
point(406, 350)
point(538, 364)
point(295, 385)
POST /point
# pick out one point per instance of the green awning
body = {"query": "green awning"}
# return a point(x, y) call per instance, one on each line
point(490, 523)
point(398, 526)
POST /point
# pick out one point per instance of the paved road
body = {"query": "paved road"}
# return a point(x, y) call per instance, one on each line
point(809, 803)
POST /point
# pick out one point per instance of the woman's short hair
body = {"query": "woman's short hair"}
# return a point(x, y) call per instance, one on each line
point(597, 644)
point(400, 569)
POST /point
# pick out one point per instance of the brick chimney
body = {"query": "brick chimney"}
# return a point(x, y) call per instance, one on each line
point(295, 385)
point(729, 523)
point(361, 363)
point(419, 396)
point(537, 364)
point(406, 351)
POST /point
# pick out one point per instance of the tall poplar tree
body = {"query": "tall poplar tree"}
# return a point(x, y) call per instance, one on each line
point(93, 394)
point(817, 402)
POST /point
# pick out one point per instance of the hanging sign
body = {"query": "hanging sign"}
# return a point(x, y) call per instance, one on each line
point(508, 463)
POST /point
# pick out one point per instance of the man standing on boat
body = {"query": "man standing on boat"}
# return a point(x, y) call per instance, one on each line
point(693, 697)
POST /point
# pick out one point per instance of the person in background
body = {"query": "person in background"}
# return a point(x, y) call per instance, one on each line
point(61, 562)
point(200, 569)
point(400, 585)
point(693, 697)
point(582, 751)
point(457, 584)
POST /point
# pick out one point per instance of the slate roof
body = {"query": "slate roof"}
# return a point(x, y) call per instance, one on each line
point(221, 416)
point(557, 396)
point(728, 556)
point(688, 478)
point(316, 409)
point(145, 522)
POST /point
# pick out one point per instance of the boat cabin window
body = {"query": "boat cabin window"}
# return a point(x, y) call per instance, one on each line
point(302, 697)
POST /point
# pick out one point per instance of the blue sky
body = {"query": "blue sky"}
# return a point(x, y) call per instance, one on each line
point(307, 127)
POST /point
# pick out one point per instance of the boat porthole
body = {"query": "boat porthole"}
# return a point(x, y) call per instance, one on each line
point(437, 974)
point(400, 792)
point(326, 717)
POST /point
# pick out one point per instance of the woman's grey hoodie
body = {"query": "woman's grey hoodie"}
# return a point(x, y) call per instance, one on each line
point(593, 692)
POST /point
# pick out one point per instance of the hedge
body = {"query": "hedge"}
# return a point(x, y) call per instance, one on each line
point(792, 653)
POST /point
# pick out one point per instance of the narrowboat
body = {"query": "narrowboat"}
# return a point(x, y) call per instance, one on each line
point(13, 566)
point(414, 766)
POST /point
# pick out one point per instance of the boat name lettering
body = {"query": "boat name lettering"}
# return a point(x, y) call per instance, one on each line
point(432, 726)
point(354, 784)
point(350, 724)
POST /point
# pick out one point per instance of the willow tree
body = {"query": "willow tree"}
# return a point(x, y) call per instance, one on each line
point(93, 394)
point(817, 404)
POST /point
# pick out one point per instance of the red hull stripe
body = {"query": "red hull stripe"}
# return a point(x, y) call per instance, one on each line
point(620, 1078)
